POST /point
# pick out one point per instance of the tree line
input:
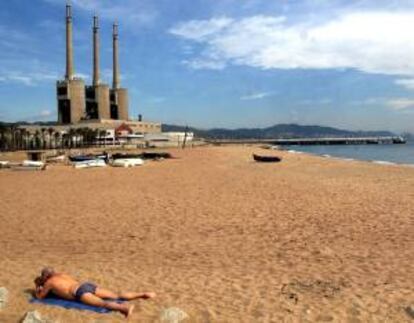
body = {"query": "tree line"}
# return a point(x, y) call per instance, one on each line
point(14, 137)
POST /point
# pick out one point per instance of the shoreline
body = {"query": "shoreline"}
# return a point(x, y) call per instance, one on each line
point(377, 162)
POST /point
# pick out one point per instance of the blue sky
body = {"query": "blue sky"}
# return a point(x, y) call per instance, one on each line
point(227, 63)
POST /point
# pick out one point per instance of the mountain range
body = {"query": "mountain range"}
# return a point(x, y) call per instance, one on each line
point(274, 132)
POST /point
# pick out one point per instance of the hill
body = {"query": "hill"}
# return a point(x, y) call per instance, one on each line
point(276, 131)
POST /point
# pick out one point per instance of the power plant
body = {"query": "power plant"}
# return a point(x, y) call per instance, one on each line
point(95, 102)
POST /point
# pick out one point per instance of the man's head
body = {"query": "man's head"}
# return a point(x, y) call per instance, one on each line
point(46, 273)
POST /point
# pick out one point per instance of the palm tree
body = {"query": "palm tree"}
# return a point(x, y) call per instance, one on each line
point(50, 132)
point(2, 137)
point(71, 134)
point(80, 135)
point(43, 131)
point(102, 134)
point(57, 139)
point(37, 140)
point(23, 133)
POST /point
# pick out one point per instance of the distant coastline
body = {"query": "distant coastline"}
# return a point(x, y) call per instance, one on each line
point(279, 131)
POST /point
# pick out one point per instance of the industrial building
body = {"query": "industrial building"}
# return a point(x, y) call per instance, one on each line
point(95, 105)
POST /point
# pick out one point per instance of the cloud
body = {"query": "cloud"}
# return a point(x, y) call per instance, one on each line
point(369, 41)
point(407, 83)
point(200, 30)
point(401, 103)
point(45, 113)
point(256, 96)
point(199, 64)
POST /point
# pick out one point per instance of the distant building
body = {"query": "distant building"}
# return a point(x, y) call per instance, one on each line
point(96, 105)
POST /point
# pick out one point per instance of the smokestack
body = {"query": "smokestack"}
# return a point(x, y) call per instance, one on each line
point(69, 46)
point(116, 82)
point(95, 51)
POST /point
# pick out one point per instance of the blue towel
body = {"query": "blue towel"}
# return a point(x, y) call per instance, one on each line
point(55, 301)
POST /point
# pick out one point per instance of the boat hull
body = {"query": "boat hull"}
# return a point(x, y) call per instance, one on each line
point(128, 162)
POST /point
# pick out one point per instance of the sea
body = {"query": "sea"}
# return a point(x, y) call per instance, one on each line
point(382, 154)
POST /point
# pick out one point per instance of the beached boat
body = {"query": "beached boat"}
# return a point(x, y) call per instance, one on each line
point(56, 159)
point(29, 165)
point(155, 155)
point(82, 158)
point(267, 159)
point(128, 162)
point(125, 156)
point(90, 163)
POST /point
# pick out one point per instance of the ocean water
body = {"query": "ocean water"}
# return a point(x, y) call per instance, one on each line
point(398, 154)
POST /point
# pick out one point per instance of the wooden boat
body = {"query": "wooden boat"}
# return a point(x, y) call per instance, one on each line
point(90, 163)
point(128, 162)
point(266, 159)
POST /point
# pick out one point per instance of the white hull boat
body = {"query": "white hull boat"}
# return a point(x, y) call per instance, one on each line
point(29, 165)
point(128, 162)
point(90, 163)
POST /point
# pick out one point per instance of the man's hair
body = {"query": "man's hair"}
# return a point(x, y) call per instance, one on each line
point(46, 273)
point(39, 281)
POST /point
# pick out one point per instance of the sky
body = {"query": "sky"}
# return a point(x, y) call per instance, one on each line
point(222, 63)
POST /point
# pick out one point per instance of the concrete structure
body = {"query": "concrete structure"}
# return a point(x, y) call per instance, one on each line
point(70, 91)
point(95, 106)
point(119, 96)
point(97, 95)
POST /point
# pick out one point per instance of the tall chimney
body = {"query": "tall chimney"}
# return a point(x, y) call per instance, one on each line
point(95, 51)
point(116, 78)
point(69, 46)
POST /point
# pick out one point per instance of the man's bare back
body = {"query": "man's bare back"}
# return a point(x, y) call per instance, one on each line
point(61, 285)
point(67, 287)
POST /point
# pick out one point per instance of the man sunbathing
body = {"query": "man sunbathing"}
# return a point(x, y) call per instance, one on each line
point(66, 287)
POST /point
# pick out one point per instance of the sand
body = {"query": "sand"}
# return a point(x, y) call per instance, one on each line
point(219, 236)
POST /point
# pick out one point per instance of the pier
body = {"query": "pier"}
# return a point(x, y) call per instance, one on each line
point(314, 141)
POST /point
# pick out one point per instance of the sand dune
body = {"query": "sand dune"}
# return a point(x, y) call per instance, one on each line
point(219, 236)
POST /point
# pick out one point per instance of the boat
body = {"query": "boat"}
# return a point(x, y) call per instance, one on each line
point(56, 159)
point(144, 155)
point(125, 156)
point(155, 155)
point(81, 158)
point(267, 159)
point(128, 162)
point(29, 165)
point(90, 163)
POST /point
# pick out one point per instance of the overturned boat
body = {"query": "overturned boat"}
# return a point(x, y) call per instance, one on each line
point(127, 162)
point(267, 159)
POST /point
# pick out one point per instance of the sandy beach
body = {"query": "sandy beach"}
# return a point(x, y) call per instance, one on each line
point(223, 238)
